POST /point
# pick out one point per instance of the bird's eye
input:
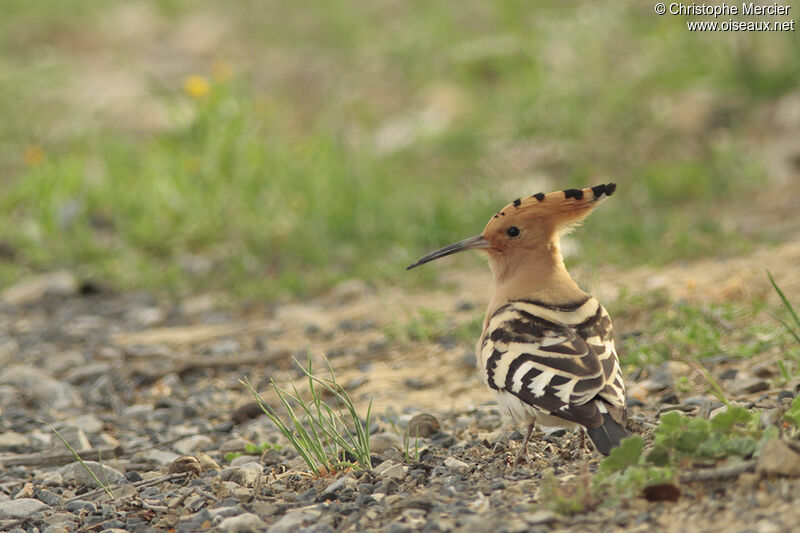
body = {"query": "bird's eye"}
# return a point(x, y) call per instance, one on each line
point(513, 231)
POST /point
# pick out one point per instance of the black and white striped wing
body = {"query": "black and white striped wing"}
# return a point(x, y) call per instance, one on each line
point(544, 361)
point(598, 333)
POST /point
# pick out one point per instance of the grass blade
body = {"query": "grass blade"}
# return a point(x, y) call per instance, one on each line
point(106, 486)
point(321, 432)
point(786, 304)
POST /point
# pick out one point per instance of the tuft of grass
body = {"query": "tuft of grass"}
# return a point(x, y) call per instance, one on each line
point(328, 438)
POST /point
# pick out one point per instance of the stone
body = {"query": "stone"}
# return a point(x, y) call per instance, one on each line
point(767, 526)
point(147, 316)
point(381, 442)
point(779, 459)
point(207, 462)
point(49, 497)
point(11, 439)
point(194, 443)
point(22, 508)
point(396, 472)
point(76, 506)
point(225, 511)
point(341, 483)
point(75, 436)
point(458, 466)
point(194, 502)
point(246, 474)
point(40, 386)
point(381, 468)
point(160, 457)
point(225, 347)
point(271, 457)
point(141, 412)
point(751, 386)
point(8, 349)
point(766, 370)
point(89, 424)
point(724, 408)
point(489, 422)
point(540, 517)
point(243, 459)
point(235, 444)
point(60, 528)
point(85, 373)
point(350, 290)
point(61, 283)
point(785, 395)
point(244, 523)
point(63, 519)
point(293, 520)
point(50, 479)
point(76, 473)
point(25, 492)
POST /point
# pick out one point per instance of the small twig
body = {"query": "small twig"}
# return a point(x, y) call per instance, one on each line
point(55, 459)
point(715, 474)
point(52, 459)
point(178, 502)
point(138, 484)
point(682, 408)
point(152, 507)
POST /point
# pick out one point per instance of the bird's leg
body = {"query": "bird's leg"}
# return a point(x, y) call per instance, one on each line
point(523, 450)
point(583, 444)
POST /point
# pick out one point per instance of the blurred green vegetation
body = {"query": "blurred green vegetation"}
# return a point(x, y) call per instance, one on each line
point(272, 148)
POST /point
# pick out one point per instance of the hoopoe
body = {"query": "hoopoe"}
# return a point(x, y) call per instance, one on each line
point(547, 347)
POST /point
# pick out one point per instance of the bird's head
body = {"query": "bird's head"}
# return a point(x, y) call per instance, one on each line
point(528, 226)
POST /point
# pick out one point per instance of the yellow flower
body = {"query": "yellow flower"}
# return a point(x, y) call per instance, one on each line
point(196, 86)
point(33, 154)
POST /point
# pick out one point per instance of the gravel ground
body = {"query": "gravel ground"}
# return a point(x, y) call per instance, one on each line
point(149, 392)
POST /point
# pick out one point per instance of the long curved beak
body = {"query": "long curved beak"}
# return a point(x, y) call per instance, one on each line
point(473, 243)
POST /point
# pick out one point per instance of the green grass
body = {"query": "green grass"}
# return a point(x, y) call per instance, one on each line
point(789, 366)
point(328, 433)
point(354, 136)
point(106, 486)
point(684, 331)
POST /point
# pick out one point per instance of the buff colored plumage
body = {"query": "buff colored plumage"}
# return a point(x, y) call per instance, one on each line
point(547, 347)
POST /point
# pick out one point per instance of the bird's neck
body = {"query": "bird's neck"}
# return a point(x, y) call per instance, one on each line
point(534, 274)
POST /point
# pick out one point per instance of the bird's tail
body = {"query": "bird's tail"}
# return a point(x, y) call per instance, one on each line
point(608, 435)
